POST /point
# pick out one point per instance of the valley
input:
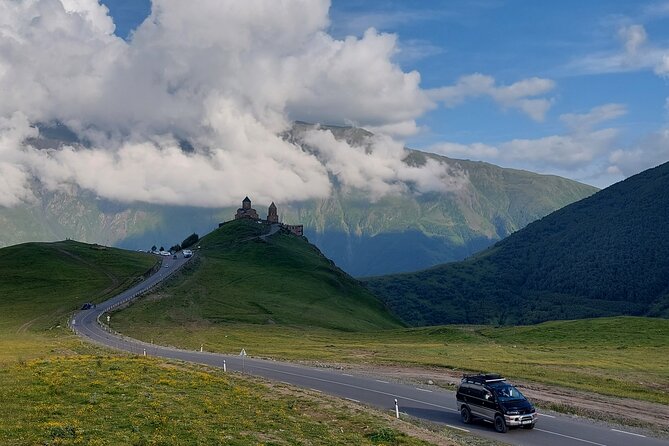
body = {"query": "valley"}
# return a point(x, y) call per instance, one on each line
point(334, 223)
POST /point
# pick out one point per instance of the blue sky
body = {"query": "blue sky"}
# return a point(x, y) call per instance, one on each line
point(579, 46)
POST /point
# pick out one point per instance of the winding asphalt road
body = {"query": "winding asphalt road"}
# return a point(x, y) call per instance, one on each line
point(426, 402)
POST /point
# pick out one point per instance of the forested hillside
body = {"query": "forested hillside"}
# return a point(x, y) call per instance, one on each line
point(605, 255)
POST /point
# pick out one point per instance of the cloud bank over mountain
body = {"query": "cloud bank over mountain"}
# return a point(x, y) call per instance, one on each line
point(228, 77)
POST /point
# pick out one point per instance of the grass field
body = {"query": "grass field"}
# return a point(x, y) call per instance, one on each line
point(42, 283)
point(87, 400)
point(622, 356)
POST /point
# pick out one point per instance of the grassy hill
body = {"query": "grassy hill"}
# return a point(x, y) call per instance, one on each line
point(238, 276)
point(605, 255)
point(44, 282)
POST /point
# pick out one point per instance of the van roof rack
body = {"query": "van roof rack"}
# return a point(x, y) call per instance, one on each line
point(483, 378)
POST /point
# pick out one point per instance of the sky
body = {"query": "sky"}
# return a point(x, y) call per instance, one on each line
point(572, 88)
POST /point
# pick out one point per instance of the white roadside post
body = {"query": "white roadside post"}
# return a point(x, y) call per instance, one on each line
point(144, 352)
point(201, 348)
point(225, 369)
point(243, 355)
point(397, 409)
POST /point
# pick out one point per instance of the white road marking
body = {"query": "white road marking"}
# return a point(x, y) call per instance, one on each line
point(458, 428)
point(380, 381)
point(351, 399)
point(392, 395)
point(316, 390)
point(423, 390)
point(569, 436)
point(346, 374)
point(628, 433)
point(544, 415)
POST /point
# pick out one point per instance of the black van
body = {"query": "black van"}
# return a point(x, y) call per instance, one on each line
point(491, 398)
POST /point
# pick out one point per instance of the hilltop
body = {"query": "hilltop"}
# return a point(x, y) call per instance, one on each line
point(396, 233)
point(605, 255)
point(238, 276)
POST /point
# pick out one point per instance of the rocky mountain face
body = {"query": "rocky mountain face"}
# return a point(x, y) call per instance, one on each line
point(396, 233)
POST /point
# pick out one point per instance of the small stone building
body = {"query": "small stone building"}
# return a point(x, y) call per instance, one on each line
point(246, 211)
point(295, 229)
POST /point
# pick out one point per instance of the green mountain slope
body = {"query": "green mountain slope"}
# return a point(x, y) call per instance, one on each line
point(397, 233)
point(44, 282)
point(237, 276)
point(605, 255)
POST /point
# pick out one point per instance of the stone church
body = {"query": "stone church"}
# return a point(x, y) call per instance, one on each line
point(246, 211)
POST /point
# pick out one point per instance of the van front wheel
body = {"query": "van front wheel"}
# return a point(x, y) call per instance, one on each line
point(466, 415)
point(500, 425)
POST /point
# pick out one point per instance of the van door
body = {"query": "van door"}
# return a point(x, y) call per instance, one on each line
point(488, 405)
point(476, 401)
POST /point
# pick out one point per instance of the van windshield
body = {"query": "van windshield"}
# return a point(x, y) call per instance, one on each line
point(506, 392)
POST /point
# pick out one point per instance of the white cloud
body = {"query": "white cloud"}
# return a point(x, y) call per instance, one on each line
point(662, 68)
point(560, 151)
point(637, 53)
point(14, 177)
point(578, 151)
point(475, 151)
point(633, 37)
point(378, 168)
point(520, 95)
point(650, 152)
point(583, 152)
point(226, 76)
point(587, 121)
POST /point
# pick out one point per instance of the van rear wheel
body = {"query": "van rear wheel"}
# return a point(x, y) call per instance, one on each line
point(466, 415)
point(500, 424)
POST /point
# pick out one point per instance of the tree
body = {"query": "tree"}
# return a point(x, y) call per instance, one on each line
point(190, 240)
point(175, 248)
point(153, 248)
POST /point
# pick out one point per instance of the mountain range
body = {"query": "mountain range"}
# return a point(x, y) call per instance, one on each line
point(605, 255)
point(396, 233)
